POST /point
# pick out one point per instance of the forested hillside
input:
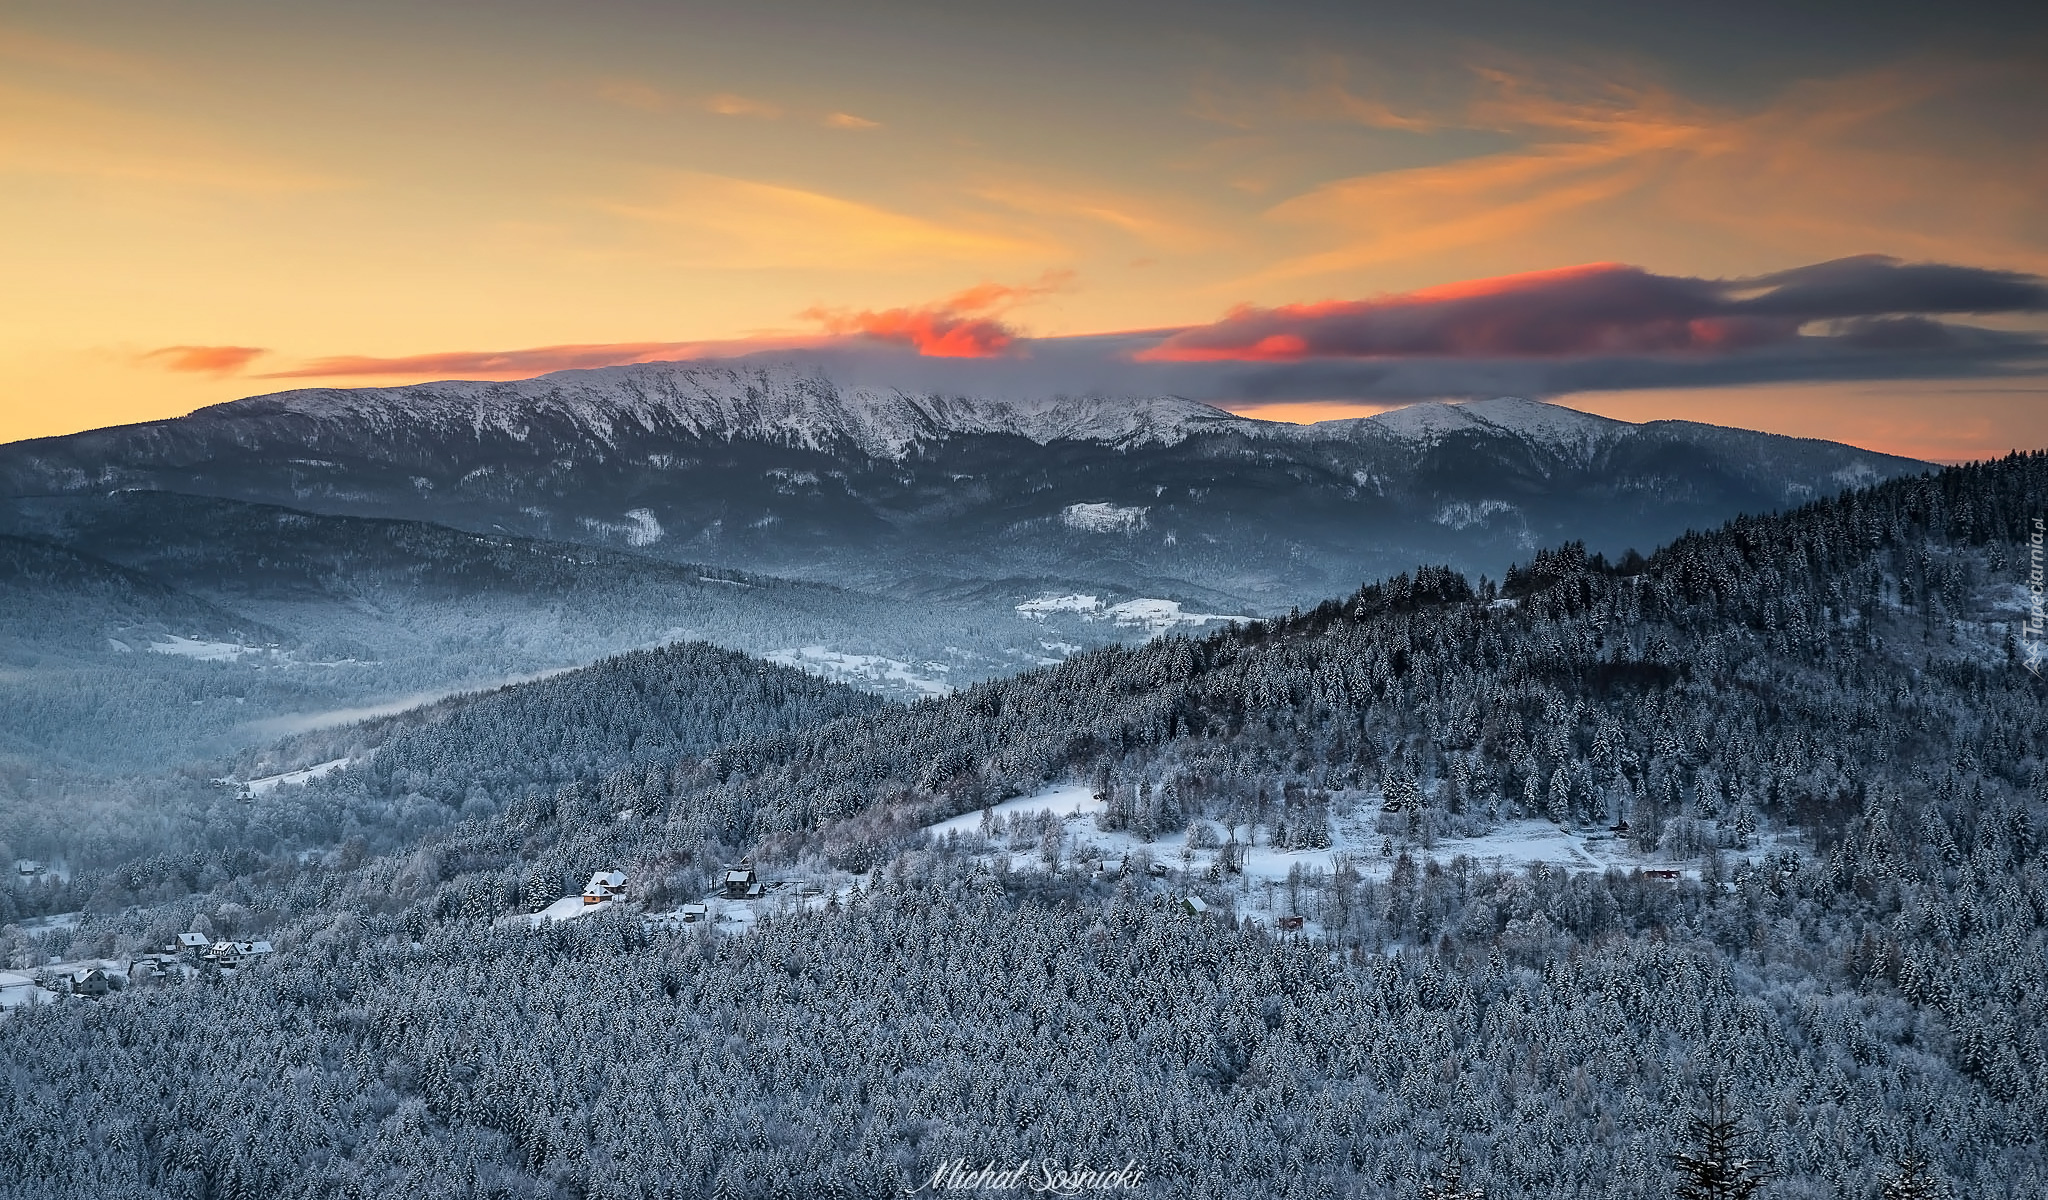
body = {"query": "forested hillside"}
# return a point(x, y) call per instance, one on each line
point(1822, 717)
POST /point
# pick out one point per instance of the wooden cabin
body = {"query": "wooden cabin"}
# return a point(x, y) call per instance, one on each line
point(741, 883)
point(1194, 906)
point(1290, 924)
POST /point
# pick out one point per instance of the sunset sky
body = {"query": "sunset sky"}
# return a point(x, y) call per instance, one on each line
point(1299, 210)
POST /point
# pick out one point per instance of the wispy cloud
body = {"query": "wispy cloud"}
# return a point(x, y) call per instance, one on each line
point(1824, 164)
point(50, 133)
point(205, 360)
point(1154, 223)
point(1330, 95)
point(719, 221)
point(732, 104)
point(527, 362)
point(845, 120)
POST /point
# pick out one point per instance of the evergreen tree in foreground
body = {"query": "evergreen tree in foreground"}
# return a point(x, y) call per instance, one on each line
point(1913, 1180)
point(1716, 1169)
point(1449, 1183)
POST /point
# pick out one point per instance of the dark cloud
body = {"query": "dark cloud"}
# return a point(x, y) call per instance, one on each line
point(1603, 309)
point(1596, 328)
point(1872, 285)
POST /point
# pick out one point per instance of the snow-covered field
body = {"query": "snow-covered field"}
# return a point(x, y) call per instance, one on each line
point(1156, 616)
point(204, 651)
point(858, 669)
point(257, 787)
point(1354, 842)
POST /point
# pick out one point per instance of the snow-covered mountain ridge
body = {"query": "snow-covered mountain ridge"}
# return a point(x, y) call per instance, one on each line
point(786, 471)
point(783, 405)
point(790, 406)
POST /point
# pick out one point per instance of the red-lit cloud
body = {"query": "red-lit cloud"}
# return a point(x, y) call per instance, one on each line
point(964, 325)
point(203, 360)
point(1609, 309)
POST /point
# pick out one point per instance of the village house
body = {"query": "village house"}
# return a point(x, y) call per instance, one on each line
point(89, 981)
point(693, 913)
point(741, 883)
point(188, 943)
point(603, 886)
point(153, 968)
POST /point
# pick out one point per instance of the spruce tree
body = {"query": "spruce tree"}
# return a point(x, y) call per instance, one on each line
point(1449, 1183)
point(1716, 1169)
point(1912, 1180)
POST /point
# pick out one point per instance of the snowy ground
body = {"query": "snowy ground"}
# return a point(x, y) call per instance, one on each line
point(1155, 616)
point(568, 908)
point(17, 990)
point(205, 651)
point(859, 669)
point(1355, 842)
point(258, 787)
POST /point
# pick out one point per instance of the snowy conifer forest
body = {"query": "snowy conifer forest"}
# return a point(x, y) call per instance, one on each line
point(1721, 868)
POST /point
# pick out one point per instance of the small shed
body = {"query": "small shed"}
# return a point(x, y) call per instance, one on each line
point(1290, 924)
point(1194, 906)
point(1158, 869)
point(693, 913)
point(28, 866)
point(1110, 866)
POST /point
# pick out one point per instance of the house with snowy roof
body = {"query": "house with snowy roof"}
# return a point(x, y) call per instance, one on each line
point(603, 886)
point(741, 883)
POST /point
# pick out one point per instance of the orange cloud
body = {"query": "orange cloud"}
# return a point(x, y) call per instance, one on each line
point(522, 364)
point(203, 360)
point(966, 324)
point(840, 120)
point(721, 222)
point(1828, 167)
point(1148, 222)
point(728, 104)
point(1329, 97)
